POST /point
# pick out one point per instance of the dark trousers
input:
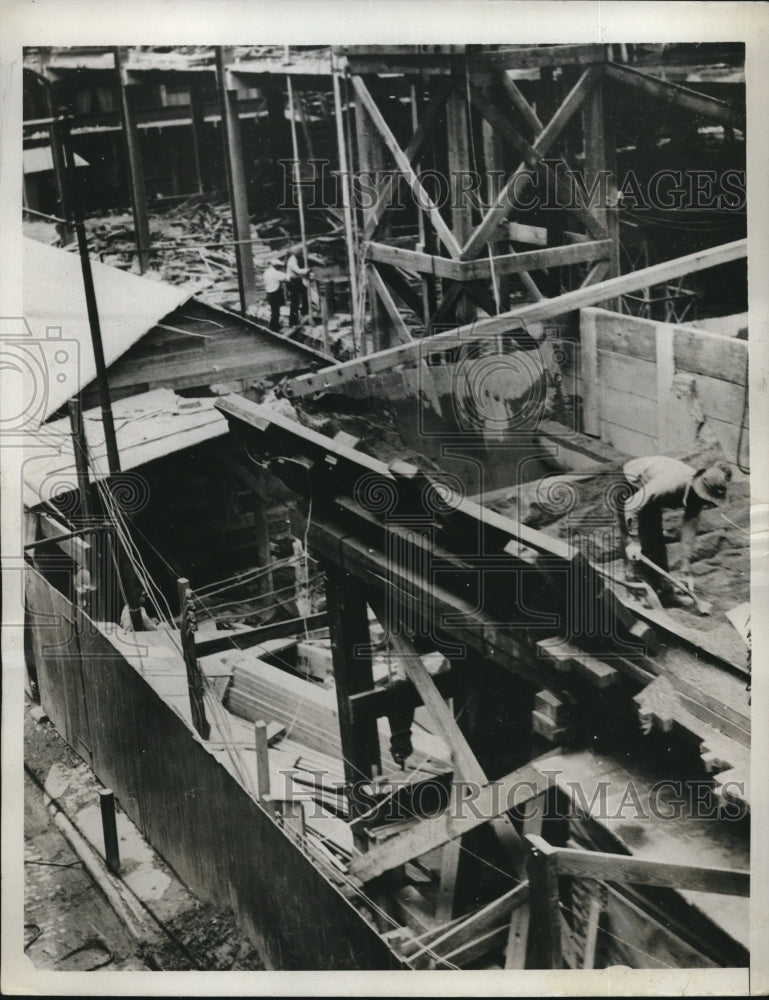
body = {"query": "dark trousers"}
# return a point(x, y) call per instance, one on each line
point(276, 301)
point(297, 292)
point(654, 548)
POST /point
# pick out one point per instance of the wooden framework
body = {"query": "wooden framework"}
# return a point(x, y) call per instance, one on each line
point(383, 558)
point(473, 262)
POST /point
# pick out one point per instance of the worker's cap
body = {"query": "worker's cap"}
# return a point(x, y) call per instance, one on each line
point(296, 248)
point(711, 483)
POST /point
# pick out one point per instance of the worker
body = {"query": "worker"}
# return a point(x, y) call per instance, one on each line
point(273, 279)
point(297, 289)
point(662, 483)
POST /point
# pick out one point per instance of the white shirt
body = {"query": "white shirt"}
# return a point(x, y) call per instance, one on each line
point(272, 278)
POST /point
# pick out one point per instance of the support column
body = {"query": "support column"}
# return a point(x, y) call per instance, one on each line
point(236, 184)
point(494, 159)
point(428, 297)
point(601, 162)
point(457, 133)
point(134, 160)
point(198, 125)
point(371, 159)
point(66, 231)
point(350, 646)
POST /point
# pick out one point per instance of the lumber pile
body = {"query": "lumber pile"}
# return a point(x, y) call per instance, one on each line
point(260, 691)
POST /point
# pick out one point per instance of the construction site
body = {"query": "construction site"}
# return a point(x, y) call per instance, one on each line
point(387, 503)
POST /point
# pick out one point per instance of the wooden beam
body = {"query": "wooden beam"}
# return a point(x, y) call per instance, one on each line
point(399, 327)
point(674, 94)
point(135, 167)
point(600, 166)
point(643, 871)
point(458, 152)
point(544, 905)
point(404, 165)
point(530, 56)
point(76, 548)
point(351, 650)
point(491, 801)
point(532, 156)
point(398, 285)
point(529, 313)
point(255, 636)
point(463, 930)
point(412, 150)
point(521, 105)
point(479, 269)
point(236, 184)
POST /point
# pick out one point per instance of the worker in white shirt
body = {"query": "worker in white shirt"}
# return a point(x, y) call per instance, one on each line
point(297, 288)
point(273, 279)
point(663, 483)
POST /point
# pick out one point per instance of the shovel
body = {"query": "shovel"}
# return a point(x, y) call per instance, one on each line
point(703, 607)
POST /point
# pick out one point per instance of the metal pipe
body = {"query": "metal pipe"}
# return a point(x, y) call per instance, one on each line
point(113, 457)
point(346, 205)
point(80, 448)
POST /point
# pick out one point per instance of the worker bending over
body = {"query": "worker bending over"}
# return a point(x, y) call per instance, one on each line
point(662, 483)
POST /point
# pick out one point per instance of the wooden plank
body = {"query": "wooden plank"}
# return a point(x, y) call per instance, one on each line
point(544, 904)
point(442, 230)
point(534, 260)
point(529, 313)
point(444, 902)
point(627, 375)
point(463, 929)
point(76, 548)
point(517, 788)
point(674, 94)
point(351, 649)
point(254, 636)
point(668, 427)
point(642, 871)
point(412, 150)
point(464, 760)
point(632, 442)
point(524, 57)
point(534, 160)
point(532, 155)
point(632, 413)
point(458, 153)
point(601, 164)
point(400, 329)
point(471, 270)
point(588, 368)
point(721, 399)
point(705, 353)
point(415, 260)
point(520, 104)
